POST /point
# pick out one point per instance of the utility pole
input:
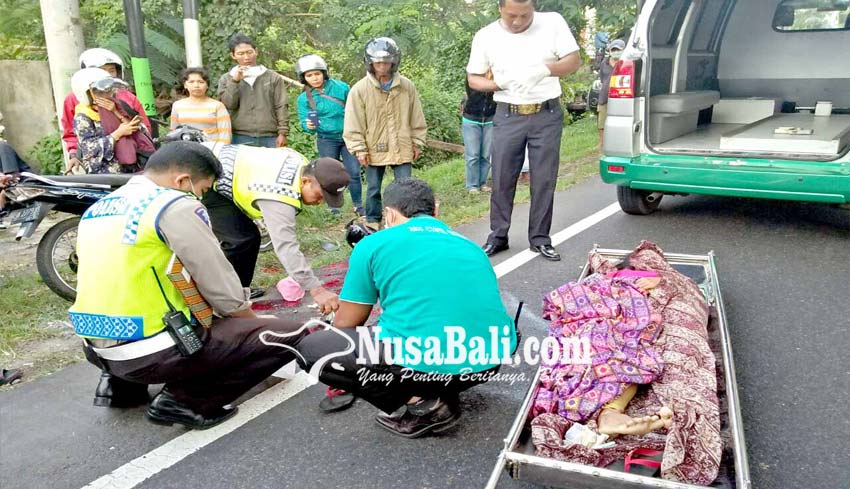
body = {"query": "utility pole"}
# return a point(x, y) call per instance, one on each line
point(192, 34)
point(63, 34)
point(139, 58)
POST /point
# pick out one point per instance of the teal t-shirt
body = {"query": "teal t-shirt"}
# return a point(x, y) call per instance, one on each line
point(439, 295)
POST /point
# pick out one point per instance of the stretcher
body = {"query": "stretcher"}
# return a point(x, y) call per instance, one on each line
point(518, 455)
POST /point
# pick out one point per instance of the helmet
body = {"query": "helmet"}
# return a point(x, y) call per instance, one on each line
point(97, 57)
point(355, 231)
point(382, 49)
point(618, 44)
point(185, 133)
point(310, 62)
point(82, 81)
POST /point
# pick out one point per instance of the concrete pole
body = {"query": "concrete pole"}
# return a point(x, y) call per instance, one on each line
point(63, 34)
point(192, 33)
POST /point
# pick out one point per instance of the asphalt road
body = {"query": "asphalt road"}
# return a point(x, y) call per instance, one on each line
point(783, 270)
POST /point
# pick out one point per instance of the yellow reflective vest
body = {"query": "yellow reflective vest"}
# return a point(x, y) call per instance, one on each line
point(117, 244)
point(251, 174)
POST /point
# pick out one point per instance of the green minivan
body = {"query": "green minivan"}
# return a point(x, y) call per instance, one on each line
point(745, 98)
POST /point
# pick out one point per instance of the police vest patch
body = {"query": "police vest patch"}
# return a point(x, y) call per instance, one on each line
point(203, 215)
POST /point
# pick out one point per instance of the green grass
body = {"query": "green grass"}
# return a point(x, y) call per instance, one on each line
point(27, 305)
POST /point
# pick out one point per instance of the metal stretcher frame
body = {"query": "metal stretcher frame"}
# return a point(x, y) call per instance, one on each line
point(528, 467)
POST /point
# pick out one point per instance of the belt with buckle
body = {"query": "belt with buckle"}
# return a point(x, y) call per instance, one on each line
point(530, 109)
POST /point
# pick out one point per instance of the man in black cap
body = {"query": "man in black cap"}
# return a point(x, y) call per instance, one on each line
point(271, 184)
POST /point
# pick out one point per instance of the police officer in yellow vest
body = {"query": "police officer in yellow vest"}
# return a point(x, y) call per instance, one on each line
point(272, 184)
point(132, 246)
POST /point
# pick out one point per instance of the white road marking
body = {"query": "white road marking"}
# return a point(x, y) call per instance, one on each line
point(136, 471)
point(526, 256)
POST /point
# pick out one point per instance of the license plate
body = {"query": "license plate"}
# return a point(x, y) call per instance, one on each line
point(18, 216)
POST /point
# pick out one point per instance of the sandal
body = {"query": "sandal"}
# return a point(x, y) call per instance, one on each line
point(336, 400)
point(10, 377)
point(649, 466)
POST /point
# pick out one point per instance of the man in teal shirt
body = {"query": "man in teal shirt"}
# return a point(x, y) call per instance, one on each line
point(443, 328)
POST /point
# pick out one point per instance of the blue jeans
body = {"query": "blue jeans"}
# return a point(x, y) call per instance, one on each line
point(335, 148)
point(259, 141)
point(374, 179)
point(477, 142)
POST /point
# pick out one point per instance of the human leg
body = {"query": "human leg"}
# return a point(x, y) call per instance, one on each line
point(374, 206)
point(472, 136)
point(239, 236)
point(544, 147)
point(486, 153)
point(509, 140)
point(355, 185)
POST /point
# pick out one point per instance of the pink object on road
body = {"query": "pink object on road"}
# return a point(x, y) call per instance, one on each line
point(290, 290)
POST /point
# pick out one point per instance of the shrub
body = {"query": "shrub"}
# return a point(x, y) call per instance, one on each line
point(46, 155)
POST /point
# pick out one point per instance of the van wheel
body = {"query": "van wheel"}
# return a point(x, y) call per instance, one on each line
point(636, 202)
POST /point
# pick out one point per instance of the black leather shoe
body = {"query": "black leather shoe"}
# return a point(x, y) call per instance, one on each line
point(547, 251)
point(393, 416)
point(491, 249)
point(257, 293)
point(438, 416)
point(119, 393)
point(165, 410)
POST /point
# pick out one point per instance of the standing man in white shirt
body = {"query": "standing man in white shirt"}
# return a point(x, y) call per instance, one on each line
point(527, 52)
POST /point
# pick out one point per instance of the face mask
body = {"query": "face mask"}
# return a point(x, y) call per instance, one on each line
point(615, 54)
point(193, 192)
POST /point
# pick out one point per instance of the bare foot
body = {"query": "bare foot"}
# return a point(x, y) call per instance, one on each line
point(613, 423)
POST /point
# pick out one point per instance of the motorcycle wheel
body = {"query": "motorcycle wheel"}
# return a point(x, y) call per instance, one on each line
point(56, 258)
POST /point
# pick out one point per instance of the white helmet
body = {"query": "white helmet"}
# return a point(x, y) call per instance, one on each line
point(97, 57)
point(82, 81)
point(310, 62)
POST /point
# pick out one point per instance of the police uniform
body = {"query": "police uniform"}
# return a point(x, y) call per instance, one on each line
point(259, 183)
point(119, 306)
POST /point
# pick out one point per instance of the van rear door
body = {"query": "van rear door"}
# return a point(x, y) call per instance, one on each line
point(623, 125)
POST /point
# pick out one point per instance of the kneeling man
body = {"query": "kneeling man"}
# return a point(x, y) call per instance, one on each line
point(443, 328)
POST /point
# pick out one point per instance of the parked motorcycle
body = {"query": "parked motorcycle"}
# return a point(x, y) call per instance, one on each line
point(33, 197)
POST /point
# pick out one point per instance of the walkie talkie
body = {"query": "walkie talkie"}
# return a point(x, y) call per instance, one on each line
point(178, 326)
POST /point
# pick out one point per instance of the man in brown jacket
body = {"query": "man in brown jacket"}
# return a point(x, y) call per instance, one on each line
point(255, 97)
point(384, 122)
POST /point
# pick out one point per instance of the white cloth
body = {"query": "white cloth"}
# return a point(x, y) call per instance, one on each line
point(251, 73)
point(512, 56)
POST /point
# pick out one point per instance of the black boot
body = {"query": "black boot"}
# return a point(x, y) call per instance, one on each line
point(164, 409)
point(119, 393)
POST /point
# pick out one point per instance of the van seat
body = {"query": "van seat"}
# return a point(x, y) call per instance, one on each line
point(676, 114)
point(683, 102)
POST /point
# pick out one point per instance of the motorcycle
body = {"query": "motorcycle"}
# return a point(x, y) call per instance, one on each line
point(32, 197)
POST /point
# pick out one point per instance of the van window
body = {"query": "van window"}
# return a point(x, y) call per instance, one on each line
point(667, 21)
point(812, 15)
point(707, 24)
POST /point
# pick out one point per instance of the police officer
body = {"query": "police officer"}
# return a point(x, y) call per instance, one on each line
point(272, 184)
point(131, 247)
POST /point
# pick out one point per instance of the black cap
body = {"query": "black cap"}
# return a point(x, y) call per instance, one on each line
point(333, 178)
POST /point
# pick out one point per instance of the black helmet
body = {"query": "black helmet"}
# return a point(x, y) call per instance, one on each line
point(355, 231)
point(184, 133)
point(382, 49)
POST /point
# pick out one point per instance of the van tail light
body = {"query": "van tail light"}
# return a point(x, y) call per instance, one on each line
point(623, 80)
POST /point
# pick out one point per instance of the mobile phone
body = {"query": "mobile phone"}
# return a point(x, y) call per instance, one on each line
point(313, 116)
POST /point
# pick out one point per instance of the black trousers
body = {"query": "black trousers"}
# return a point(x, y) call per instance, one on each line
point(240, 239)
point(541, 132)
point(381, 385)
point(232, 361)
